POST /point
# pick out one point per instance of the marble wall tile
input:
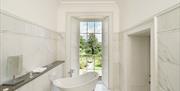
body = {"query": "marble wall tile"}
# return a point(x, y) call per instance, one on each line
point(37, 44)
point(61, 45)
point(169, 60)
point(169, 51)
point(169, 20)
point(9, 48)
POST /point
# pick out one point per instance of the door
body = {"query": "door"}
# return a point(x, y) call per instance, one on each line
point(105, 59)
point(74, 47)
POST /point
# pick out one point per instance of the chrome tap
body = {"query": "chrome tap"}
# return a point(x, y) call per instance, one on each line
point(71, 72)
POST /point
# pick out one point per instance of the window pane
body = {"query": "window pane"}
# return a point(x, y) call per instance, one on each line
point(98, 63)
point(83, 27)
point(98, 27)
point(83, 64)
point(90, 27)
point(99, 37)
point(84, 36)
point(90, 63)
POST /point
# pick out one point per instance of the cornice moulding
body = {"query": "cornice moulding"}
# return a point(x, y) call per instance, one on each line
point(87, 2)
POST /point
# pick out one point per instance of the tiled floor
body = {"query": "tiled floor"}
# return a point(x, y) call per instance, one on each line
point(100, 87)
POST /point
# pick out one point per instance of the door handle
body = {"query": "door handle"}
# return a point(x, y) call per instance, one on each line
point(149, 82)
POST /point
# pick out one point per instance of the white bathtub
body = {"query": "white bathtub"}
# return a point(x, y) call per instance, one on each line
point(85, 82)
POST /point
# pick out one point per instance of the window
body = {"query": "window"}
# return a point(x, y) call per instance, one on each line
point(91, 47)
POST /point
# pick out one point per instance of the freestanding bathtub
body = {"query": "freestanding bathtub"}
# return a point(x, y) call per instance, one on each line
point(85, 82)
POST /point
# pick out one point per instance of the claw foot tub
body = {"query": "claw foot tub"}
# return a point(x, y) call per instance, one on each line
point(85, 82)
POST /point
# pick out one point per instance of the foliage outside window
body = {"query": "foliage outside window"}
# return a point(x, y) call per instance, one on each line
point(91, 47)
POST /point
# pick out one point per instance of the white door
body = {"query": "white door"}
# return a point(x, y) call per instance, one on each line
point(72, 50)
point(105, 59)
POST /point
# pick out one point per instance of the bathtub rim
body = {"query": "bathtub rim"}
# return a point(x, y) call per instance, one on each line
point(79, 85)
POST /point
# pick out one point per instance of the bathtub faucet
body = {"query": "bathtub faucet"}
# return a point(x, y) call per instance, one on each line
point(71, 72)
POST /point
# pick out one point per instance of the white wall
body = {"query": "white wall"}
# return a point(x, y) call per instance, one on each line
point(131, 50)
point(109, 9)
point(43, 83)
point(168, 61)
point(136, 11)
point(42, 12)
point(36, 44)
point(83, 9)
point(87, 8)
point(27, 28)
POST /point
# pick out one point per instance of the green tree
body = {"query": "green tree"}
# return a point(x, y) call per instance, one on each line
point(90, 50)
point(93, 47)
point(82, 44)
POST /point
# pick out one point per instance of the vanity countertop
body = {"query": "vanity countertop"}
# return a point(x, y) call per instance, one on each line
point(26, 78)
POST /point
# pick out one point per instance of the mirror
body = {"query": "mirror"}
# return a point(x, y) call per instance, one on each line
point(14, 66)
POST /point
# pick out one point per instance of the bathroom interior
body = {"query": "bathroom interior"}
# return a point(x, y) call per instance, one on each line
point(89, 45)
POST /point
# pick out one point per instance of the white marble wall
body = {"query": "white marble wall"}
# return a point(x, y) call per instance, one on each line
point(43, 83)
point(37, 44)
point(114, 72)
point(169, 51)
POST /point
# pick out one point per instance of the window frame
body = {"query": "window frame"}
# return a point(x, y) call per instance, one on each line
point(86, 33)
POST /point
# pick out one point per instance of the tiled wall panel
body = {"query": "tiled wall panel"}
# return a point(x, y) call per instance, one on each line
point(169, 51)
point(37, 44)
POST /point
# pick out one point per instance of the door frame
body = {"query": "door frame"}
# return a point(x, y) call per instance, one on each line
point(70, 15)
point(149, 24)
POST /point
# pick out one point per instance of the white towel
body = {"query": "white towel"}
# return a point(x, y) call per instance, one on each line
point(39, 70)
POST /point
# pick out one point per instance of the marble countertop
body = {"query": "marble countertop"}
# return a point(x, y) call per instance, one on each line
point(26, 78)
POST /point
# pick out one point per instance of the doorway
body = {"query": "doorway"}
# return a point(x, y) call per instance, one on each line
point(90, 47)
point(139, 61)
point(74, 36)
